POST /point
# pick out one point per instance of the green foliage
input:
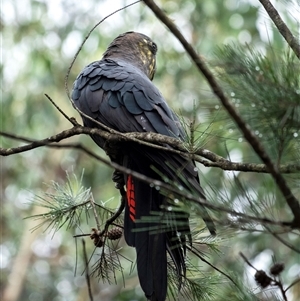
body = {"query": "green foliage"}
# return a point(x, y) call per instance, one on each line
point(266, 91)
point(64, 205)
point(67, 204)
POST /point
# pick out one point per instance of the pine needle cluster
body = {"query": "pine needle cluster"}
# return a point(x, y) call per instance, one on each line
point(64, 204)
point(266, 91)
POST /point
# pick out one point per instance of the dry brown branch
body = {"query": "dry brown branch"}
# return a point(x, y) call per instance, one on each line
point(151, 139)
point(243, 126)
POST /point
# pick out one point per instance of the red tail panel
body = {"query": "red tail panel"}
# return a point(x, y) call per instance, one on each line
point(130, 197)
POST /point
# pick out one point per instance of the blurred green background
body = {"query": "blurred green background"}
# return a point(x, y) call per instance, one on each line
point(39, 40)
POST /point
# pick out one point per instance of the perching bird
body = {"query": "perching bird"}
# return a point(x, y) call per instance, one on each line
point(118, 92)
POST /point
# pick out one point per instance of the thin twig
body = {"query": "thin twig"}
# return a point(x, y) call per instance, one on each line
point(243, 126)
point(83, 42)
point(71, 120)
point(81, 235)
point(281, 26)
point(117, 213)
point(292, 284)
point(280, 286)
point(87, 276)
point(103, 126)
point(290, 246)
point(272, 280)
point(247, 261)
point(211, 265)
point(92, 202)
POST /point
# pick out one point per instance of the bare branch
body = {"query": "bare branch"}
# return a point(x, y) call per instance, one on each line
point(244, 127)
point(247, 261)
point(292, 284)
point(194, 251)
point(71, 120)
point(153, 140)
point(281, 26)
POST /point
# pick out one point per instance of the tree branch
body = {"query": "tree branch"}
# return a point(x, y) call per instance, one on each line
point(153, 140)
point(243, 126)
point(281, 26)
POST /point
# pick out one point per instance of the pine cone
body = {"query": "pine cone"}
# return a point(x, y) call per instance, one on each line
point(277, 268)
point(114, 234)
point(98, 242)
point(262, 279)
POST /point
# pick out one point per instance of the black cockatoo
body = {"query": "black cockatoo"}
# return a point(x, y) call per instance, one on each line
point(118, 92)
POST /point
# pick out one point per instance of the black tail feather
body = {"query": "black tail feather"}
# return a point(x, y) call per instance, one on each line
point(153, 235)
